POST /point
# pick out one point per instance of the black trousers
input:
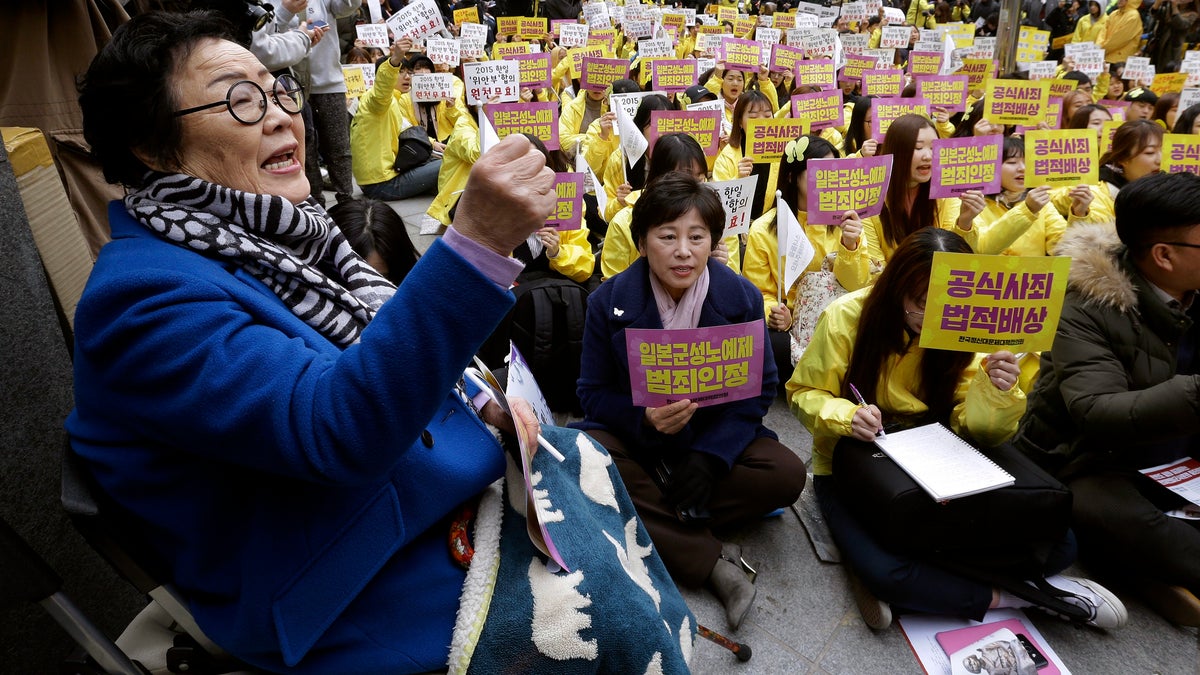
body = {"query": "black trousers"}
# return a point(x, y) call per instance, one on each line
point(328, 136)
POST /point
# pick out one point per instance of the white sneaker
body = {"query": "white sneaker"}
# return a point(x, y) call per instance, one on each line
point(876, 613)
point(1104, 608)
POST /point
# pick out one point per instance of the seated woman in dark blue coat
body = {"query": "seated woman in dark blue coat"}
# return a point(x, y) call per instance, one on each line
point(725, 468)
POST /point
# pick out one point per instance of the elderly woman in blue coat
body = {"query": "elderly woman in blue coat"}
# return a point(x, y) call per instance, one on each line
point(690, 470)
point(280, 423)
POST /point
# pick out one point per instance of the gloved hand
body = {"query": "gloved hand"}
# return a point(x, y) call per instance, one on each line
point(694, 480)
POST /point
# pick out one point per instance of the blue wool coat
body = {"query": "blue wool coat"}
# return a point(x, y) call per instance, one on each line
point(722, 430)
point(297, 491)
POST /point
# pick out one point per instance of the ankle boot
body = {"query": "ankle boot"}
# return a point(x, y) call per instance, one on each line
point(729, 583)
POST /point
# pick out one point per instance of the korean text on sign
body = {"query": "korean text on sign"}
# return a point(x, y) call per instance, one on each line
point(767, 138)
point(1181, 153)
point(1015, 101)
point(984, 303)
point(821, 109)
point(702, 125)
point(491, 78)
point(673, 74)
point(568, 210)
point(944, 91)
point(537, 118)
point(884, 111)
point(708, 366)
point(1061, 157)
point(961, 164)
point(736, 197)
point(853, 184)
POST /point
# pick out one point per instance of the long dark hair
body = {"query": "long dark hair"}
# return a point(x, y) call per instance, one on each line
point(748, 98)
point(641, 119)
point(676, 152)
point(883, 333)
point(790, 171)
point(897, 220)
point(856, 135)
point(371, 226)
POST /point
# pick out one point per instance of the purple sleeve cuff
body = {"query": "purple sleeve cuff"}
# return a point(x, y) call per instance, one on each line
point(500, 269)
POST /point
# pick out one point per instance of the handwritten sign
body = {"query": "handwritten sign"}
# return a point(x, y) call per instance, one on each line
point(884, 82)
point(488, 79)
point(1042, 70)
point(895, 37)
point(820, 109)
point(1061, 157)
point(673, 74)
point(432, 87)
point(599, 74)
point(1015, 101)
point(466, 15)
point(373, 35)
point(708, 366)
point(961, 164)
point(983, 303)
point(573, 35)
point(568, 209)
point(702, 125)
point(537, 118)
point(356, 85)
point(1181, 153)
point(596, 15)
point(737, 196)
point(884, 111)
point(1165, 83)
point(924, 63)
point(766, 138)
point(417, 19)
point(739, 54)
point(819, 43)
point(944, 91)
point(853, 184)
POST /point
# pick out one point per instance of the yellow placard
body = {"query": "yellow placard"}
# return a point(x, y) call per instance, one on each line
point(766, 139)
point(576, 55)
point(711, 30)
point(1061, 41)
point(677, 20)
point(1181, 153)
point(977, 71)
point(466, 15)
point(1106, 134)
point(1060, 87)
point(508, 25)
point(646, 65)
point(1016, 101)
point(1061, 157)
point(533, 27)
point(784, 21)
point(1032, 44)
point(963, 34)
point(604, 36)
point(1165, 83)
point(727, 14)
point(742, 27)
point(356, 84)
point(502, 50)
point(988, 303)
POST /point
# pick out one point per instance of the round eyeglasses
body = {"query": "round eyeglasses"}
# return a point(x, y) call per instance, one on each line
point(247, 101)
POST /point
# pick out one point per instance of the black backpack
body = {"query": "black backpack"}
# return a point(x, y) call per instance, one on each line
point(546, 325)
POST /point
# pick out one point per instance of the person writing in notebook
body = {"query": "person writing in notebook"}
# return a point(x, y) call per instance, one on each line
point(869, 338)
point(1120, 390)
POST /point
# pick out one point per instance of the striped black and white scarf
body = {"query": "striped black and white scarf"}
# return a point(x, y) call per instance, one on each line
point(295, 249)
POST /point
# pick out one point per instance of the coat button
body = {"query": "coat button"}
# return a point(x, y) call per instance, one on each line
point(427, 439)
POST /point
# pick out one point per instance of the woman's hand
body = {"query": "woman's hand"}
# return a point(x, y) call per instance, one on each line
point(671, 418)
point(745, 167)
point(780, 318)
point(438, 146)
point(314, 33)
point(526, 94)
point(550, 239)
point(510, 179)
point(623, 191)
point(398, 51)
point(867, 422)
point(1038, 197)
point(869, 147)
point(606, 125)
point(973, 204)
point(941, 115)
point(852, 228)
point(1081, 201)
point(720, 253)
point(1003, 369)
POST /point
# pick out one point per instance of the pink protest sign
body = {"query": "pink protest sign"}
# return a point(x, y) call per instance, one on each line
point(924, 63)
point(944, 91)
point(708, 366)
point(738, 54)
point(884, 111)
point(672, 74)
point(855, 65)
point(839, 185)
point(568, 210)
point(534, 69)
point(882, 82)
point(702, 125)
point(961, 164)
point(599, 74)
point(822, 109)
point(539, 118)
point(784, 58)
point(816, 73)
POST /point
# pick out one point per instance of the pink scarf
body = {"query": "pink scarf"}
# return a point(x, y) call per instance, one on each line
point(686, 312)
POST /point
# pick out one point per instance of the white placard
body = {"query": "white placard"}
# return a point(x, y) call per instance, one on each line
point(638, 29)
point(417, 19)
point(596, 15)
point(884, 58)
point(471, 48)
point(656, 48)
point(855, 11)
point(1042, 70)
point(1188, 98)
point(855, 43)
point(443, 51)
point(473, 31)
point(737, 196)
point(573, 34)
point(804, 20)
point(373, 35)
point(894, 15)
point(487, 79)
point(1136, 69)
point(895, 37)
point(1192, 70)
point(984, 48)
point(820, 43)
point(767, 36)
point(432, 87)
point(629, 104)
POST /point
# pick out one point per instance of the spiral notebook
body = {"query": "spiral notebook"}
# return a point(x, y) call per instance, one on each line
point(946, 466)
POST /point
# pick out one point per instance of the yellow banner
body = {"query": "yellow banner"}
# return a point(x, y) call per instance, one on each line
point(501, 50)
point(1061, 157)
point(988, 303)
point(1016, 101)
point(766, 139)
point(468, 15)
point(1165, 83)
point(1181, 153)
point(356, 84)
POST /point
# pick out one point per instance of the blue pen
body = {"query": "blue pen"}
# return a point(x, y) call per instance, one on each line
point(863, 402)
